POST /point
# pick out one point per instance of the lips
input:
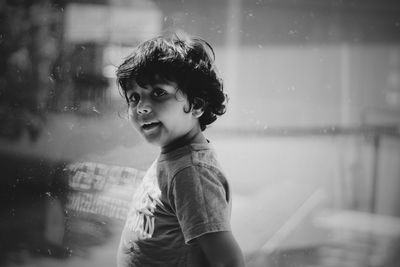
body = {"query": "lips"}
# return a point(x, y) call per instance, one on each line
point(150, 125)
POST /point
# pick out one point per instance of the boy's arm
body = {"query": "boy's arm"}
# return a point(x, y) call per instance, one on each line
point(221, 249)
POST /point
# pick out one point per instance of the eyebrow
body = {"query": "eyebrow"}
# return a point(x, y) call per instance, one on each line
point(134, 89)
point(161, 85)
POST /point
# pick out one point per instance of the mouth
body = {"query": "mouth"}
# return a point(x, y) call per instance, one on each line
point(150, 125)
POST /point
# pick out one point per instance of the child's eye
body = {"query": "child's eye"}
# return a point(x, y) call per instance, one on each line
point(133, 98)
point(158, 92)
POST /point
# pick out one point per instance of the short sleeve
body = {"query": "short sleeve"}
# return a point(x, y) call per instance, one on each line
point(200, 197)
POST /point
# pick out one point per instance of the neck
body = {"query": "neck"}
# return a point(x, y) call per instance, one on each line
point(192, 137)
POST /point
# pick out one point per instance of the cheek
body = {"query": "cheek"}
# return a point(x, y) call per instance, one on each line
point(132, 115)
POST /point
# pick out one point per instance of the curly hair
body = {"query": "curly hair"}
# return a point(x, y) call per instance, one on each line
point(187, 61)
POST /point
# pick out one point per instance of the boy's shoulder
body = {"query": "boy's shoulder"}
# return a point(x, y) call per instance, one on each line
point(193, 155)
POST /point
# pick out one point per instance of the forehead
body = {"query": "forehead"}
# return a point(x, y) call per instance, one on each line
point(133, 85)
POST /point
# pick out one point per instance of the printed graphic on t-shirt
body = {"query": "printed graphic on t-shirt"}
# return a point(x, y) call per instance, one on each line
point(141, 216)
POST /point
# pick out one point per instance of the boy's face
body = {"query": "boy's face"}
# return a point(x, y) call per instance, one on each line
point(157, 112)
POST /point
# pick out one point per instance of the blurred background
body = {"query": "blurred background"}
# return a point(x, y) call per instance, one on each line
point(310, 142)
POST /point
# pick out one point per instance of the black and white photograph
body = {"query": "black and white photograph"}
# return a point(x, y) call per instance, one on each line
point(199, 133)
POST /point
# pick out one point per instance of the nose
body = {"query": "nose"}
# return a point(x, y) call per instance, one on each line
point(143, 107)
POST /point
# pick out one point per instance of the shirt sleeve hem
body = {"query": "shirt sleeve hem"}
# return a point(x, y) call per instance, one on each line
point(202, 229)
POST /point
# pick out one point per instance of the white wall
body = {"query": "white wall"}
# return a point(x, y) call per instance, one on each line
point(312, 86)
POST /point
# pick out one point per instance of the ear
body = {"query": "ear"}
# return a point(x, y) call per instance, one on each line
point(198, 107)
point(197, 113)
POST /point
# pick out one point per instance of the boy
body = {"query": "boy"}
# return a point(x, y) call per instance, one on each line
point(180, 214)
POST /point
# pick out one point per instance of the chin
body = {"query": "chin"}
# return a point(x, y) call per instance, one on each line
point(154, 141)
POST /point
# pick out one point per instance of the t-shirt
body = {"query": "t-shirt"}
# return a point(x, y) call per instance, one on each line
point(183, 195)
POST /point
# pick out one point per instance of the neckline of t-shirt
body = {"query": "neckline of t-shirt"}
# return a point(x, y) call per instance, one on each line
point(184, 150)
